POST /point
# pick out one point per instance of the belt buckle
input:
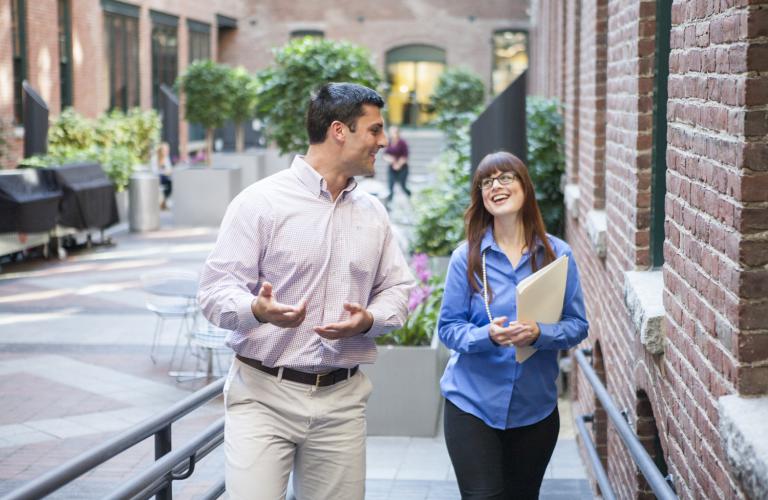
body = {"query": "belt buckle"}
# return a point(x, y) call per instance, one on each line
point(317, 379)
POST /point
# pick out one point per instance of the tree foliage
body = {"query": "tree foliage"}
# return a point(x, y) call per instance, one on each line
point(546, 160)
point(301, 67)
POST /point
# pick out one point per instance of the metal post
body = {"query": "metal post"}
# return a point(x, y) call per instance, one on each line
point(162, 447)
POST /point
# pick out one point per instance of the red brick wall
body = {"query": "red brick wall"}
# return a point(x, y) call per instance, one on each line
point(571, 72)
point(716, 251)
point(592, 90)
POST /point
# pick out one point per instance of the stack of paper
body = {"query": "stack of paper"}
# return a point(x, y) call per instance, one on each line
point(540, 298)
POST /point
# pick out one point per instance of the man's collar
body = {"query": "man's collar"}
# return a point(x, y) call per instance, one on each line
point(312, 179)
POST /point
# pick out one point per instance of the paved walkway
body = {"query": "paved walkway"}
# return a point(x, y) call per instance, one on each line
point(75, 370)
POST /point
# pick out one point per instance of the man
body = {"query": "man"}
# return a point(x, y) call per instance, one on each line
point(306, 273)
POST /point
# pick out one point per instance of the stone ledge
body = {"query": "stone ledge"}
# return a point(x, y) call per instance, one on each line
point(742, 430)
point(597, 228)
point(643, 292)
point(571, 195)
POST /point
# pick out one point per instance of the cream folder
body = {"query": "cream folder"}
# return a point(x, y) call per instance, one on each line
point(540, 298)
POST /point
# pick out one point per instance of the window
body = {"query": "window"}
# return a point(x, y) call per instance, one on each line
point(309, 33)
point(165, 59)
point(65, 53)
point(121, 22)
point(18, 34)
point(412, 73)
point(510, 58)
point(659, 168)
point(199, 41)
point(199, 49)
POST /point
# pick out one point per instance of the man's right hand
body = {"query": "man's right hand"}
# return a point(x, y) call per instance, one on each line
point(267, 310)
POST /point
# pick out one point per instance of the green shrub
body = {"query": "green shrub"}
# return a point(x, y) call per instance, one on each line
point(457, 100)
point(300, 67)
point(71, 130)
point(546, 161)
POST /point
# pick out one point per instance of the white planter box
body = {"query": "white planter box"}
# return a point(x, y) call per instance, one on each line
point(252, 165)
point(406, 398)
point(201, 194)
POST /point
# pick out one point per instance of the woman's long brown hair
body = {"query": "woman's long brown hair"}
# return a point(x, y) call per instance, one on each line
point(477, 219)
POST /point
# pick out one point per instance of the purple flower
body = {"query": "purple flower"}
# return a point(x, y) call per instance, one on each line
point(418, 296)
point(420, 264)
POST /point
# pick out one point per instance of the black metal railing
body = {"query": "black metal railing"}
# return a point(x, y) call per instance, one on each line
point(170, 465)
point(659, 484)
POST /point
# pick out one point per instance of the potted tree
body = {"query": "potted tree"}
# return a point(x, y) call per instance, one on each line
point(207, 91)
point(300, 67)
point(243, 95)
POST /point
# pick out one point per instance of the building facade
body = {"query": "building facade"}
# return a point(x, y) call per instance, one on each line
point(666, 133)
point(96, 55)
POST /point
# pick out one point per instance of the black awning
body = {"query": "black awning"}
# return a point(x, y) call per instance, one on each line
point(29, 201)
point(88, 196)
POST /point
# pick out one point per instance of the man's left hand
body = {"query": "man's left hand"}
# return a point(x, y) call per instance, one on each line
point(360, 321)
point(523, 333)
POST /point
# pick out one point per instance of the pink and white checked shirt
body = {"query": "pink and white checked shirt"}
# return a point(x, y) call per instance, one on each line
point(287, 230)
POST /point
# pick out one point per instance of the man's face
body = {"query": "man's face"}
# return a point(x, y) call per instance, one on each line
point(360, 148)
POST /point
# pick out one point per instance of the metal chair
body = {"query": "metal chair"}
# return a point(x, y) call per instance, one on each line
point(206, 344)
point(170, 295)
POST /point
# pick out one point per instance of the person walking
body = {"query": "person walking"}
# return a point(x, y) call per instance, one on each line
point(396, 156)
point(501, 420)
point(306, 272)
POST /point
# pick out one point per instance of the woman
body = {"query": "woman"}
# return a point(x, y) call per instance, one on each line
point(396, 156)
point(501, 419)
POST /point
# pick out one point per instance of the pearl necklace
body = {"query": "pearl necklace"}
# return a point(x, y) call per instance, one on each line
point(485, 291)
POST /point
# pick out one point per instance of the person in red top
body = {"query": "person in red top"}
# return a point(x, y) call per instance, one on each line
point(396, 155)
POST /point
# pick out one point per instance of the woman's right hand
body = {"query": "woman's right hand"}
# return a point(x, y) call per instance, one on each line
point(499, 333)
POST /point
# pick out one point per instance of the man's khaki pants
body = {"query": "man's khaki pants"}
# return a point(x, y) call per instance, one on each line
point(274, 425)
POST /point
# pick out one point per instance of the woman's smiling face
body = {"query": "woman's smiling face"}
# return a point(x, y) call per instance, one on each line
point(502, 193)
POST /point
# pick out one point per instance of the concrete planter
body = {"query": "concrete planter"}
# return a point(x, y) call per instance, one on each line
point(406, 390)
point(252, 165)
point(201, 194)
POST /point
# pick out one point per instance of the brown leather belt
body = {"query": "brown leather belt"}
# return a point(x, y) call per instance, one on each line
point(316, 379)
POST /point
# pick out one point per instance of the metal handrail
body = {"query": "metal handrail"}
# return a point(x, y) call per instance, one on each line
point(159, 426)
point(602, 477)
point(645, 463)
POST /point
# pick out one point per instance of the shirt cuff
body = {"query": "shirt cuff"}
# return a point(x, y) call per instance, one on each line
point(546, 336)
point(246, 321)
point(378, 327)
point(480, 339)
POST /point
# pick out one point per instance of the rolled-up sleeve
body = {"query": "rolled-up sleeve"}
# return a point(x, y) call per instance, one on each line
point(392, 286)
point(230, 277)
point(454, 327)
point(573, 326)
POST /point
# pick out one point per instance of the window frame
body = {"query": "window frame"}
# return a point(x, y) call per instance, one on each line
point(18, 56)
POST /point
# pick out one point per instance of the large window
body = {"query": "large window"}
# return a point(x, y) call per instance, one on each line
point(121, 23)
point(412, 73)
point(19, 55)
point(659, 168)
point(199, 41)
point(165, 58)
point(510, 58)
point(65, 53)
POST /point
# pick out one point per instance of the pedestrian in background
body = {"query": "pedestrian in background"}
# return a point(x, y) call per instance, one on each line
point(396, 156)
point(501, 418)
point(306, 272)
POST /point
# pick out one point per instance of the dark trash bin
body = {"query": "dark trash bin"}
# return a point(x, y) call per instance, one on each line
point(29, 201)
point(88, 200)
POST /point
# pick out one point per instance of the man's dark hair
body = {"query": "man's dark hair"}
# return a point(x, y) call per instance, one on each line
point(338, 101)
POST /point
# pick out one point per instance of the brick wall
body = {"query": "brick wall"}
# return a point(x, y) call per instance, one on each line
point(715, 285)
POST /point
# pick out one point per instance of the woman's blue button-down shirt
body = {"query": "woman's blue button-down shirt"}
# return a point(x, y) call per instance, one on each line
point(484, 379)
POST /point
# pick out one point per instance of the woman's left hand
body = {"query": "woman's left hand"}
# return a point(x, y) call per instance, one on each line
point(523, 333)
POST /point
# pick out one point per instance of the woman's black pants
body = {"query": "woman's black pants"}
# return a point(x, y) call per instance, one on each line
point(397, 177)
point(494, 464)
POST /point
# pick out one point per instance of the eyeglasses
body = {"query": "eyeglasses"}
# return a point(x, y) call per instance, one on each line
point(504, 179)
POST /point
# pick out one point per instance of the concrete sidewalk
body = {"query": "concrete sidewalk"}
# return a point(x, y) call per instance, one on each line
point(75, 337)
